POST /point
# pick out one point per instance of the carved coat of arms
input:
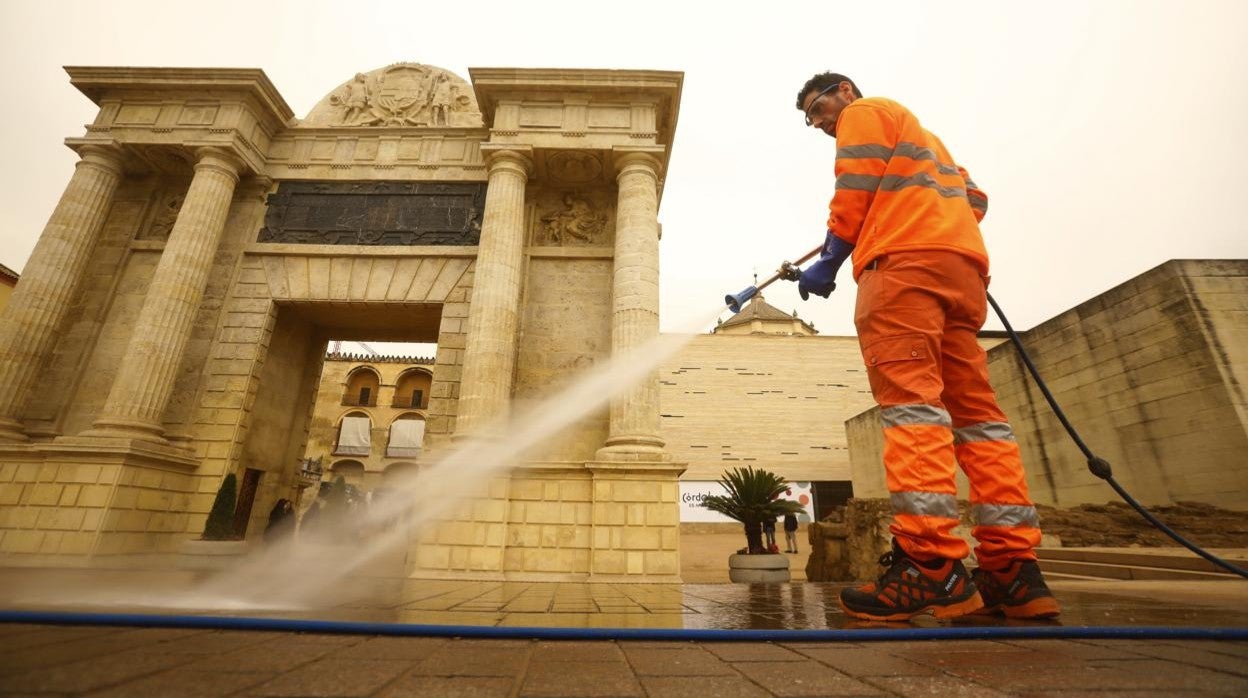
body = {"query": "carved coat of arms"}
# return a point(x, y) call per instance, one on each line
point(404, 94)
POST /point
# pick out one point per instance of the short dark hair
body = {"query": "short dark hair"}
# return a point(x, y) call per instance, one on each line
point(821, 82)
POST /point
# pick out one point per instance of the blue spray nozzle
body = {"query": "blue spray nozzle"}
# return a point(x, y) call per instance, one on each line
point(734, 302)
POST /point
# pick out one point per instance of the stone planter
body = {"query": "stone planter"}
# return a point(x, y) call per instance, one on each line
point(210, 554)
point(771, 567)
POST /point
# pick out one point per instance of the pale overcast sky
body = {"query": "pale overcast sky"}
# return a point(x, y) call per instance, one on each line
point(1109, 135)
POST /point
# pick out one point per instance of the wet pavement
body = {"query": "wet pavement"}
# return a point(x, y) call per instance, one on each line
point(41, 659)
point(798, 606)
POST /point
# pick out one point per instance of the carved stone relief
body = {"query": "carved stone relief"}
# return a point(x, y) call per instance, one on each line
point(571, 218)
point(168, 205)
point(403, 94)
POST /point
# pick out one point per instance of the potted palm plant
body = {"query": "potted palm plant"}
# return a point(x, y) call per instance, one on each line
point(753, 496)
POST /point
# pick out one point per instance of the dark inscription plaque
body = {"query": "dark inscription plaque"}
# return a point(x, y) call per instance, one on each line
point(375, 213)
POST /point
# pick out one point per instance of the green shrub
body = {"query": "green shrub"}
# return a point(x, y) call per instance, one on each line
point(220, 525)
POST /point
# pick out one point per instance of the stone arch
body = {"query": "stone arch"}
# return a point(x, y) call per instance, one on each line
point(398, 471)
point(408, 415)
point(361, 387)
point(350, 469)
point(412, 388)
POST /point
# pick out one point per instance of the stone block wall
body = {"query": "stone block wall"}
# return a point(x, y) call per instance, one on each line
point(548, 523)
point(772, 401)
point(54, 511)
point(602, 522)
point(566, 329)
point(1151, 373)
point(635, 525)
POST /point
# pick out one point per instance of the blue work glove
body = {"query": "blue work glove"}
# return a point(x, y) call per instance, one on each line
point(820, 277)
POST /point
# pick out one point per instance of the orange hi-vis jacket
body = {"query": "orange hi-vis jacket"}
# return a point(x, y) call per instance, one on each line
point(898, 189)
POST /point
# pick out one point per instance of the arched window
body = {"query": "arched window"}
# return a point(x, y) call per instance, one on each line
point(398, 473)
point(362, 387)
point(407, 436)
point(352, 471)
point(355, 435)
point(412, 389)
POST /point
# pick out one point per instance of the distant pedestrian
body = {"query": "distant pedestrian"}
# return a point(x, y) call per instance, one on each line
point(769, 531)
point(790, 532)
point(281, 521)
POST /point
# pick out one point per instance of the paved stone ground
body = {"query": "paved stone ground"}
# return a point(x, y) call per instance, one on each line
point(119, 661)
point(103, 661)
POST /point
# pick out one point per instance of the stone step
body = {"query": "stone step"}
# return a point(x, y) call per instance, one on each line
point(1051, 576)
point(1166, 558)
point(1104, 570)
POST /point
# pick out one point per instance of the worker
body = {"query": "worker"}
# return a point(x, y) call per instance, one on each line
point(909, 216)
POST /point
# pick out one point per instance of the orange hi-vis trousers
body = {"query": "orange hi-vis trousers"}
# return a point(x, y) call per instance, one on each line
point(917, 316)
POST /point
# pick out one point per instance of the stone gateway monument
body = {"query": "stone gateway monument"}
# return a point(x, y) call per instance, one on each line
point(171, 325)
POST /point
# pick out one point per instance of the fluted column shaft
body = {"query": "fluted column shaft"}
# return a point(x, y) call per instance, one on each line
point(50, 279)
point(494, 317)
point(634, 426)
point(141, 389)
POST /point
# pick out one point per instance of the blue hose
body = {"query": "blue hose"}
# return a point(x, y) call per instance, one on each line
point(669, 634)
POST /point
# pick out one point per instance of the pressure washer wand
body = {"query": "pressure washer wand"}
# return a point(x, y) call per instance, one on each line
point(789, 271)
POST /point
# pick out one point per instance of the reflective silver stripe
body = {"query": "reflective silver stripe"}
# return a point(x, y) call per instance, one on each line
point(1005, 515)
point(922, 179)
point(984, 431)
point(925, 504)
point(857, 182)
point(907, 415)
point(866, 151)
point(969, 183)
point(979, 202)
point(918, 152)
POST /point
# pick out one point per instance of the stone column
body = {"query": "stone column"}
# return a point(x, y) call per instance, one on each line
point(493, 320)
point(634, 428)
point(141, 389)
point(50, 279)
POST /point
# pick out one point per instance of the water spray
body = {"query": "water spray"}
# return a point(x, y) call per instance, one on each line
point(789, 271)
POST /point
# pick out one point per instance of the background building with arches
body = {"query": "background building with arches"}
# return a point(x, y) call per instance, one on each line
point(364, 414)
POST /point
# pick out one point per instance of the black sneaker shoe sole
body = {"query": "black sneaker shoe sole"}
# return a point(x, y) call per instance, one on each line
point(938, 608)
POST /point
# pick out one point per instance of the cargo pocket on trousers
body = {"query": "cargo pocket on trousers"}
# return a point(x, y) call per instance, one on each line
point(905, 347)
point(899, 369)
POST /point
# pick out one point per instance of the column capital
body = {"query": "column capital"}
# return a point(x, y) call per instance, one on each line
point(255, 187)
point(635, 162)
point(219, 159)
point(515, 159)
point(106, 156)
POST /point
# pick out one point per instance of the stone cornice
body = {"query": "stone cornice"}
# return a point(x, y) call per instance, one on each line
point(662, 86)
point(96, 81)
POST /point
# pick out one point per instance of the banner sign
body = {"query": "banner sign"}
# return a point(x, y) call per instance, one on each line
point(692, 492)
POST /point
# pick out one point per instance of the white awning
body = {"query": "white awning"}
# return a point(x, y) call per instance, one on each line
point(354, 436)
point(406, 437)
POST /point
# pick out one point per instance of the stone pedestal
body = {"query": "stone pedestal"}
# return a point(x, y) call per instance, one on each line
point(30, 322)
point(636, 521)
point(140, 392)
